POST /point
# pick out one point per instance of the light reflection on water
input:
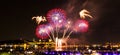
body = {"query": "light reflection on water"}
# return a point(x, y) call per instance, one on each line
point(80, 53)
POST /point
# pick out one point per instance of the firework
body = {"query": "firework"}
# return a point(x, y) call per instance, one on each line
point(83, 13)
point(57, 23)
point(59, 43)
point(67, 27)
point(51, 27)
point(68, 24)
point(58, 46)
point(42, 32)
point(56, 16)
point(81, 26)
point(39, 19)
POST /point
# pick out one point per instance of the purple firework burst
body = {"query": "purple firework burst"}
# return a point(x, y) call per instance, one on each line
point(42, 32)
point(56, 16)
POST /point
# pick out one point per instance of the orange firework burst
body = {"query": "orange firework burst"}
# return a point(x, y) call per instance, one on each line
point(83, 13)
point(39, 19)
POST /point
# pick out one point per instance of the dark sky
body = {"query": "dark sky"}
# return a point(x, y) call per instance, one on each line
point(16, 17)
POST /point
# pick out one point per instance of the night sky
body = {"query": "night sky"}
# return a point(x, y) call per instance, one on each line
point(16, 22)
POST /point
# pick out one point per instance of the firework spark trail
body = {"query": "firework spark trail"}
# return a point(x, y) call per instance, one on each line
point(53, 36)
point(83, 13)
point(65, 31)
point(58, 45)
point(56, 42)
point(48, 35)
point(69, 34)
point(57, 31)
point(39, 19)
point(68, 25)
point(51, 31)
point(58, 25)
